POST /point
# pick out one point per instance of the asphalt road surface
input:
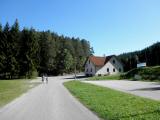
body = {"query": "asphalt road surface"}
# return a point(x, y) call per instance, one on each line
point(50, 101)
point(144, 89)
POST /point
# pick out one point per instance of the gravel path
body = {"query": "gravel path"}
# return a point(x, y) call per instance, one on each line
point(144, 89)
point(49, 101)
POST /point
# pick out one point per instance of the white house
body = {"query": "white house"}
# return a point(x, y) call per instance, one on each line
point(102, 65)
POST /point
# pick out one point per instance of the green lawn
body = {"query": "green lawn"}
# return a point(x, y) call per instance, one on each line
point(110, 104)
point(109, 77)
point(10, 89)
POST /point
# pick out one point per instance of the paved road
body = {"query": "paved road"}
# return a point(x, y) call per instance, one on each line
point(47, 102)
point(144, 89)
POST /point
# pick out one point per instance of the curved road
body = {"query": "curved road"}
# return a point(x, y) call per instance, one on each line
point(49, 101)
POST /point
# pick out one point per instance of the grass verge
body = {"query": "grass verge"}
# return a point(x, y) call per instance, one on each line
point(109, 77)
point(110, 104)
point(10, 89)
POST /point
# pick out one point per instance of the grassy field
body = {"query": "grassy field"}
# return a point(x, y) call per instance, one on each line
point(10, 89)
point(109, 77)
point(110, 104)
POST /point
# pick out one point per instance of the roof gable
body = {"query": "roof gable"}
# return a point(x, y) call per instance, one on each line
point(97, 61)
point(100, 61)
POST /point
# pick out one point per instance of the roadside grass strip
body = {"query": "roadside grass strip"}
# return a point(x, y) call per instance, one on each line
point(109, 77)
point(110, 104)
point(10, 89)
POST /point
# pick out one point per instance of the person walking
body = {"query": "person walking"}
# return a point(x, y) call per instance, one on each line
point(46, 78)
point(43, 78)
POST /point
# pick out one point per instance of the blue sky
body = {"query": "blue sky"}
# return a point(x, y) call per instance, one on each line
point(111, 26)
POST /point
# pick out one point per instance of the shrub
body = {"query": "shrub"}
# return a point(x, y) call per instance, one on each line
point(147, 73)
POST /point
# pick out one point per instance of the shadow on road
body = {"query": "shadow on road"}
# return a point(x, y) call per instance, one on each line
point(77, 77)
point(156, 83)
point(148, 89)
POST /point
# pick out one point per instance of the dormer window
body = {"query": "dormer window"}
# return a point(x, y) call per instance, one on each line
point(114, 61)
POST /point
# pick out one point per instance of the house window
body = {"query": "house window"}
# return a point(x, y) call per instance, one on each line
point(107, 69)
point(87, 70)
point(114, 61)
point(114, 70)
point(89, 61)
point(91, 69)
point(120, 70)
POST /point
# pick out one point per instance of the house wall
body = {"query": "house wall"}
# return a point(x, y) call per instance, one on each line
point(98, 68)
point(111, 65)
point(90, 68)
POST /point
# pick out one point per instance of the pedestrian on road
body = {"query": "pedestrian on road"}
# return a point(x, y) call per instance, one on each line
point(43, 78)
point(46, 78)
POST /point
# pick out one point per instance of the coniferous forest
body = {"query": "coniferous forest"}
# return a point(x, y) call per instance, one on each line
point(26, 53)
point(150, 55)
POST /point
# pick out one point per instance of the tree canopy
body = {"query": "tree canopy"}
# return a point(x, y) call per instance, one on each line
point(150, 55)
point(26, 52)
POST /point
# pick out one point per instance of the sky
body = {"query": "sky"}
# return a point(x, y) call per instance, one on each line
point(111, 26)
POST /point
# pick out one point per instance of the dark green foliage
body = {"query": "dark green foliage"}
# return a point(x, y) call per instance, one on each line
point(47, 52)
point(150, 55)
point(9, 52)
point(147, 73)
point(28, 53)
point(24, 53)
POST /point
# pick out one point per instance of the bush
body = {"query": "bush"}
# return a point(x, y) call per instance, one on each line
point(147, 73)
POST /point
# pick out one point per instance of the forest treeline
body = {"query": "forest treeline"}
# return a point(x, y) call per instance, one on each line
point(26, 53)
point(150, 55)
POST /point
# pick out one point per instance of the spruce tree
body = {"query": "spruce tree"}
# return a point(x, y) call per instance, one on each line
point(14, 47)
point(2, 57)
point(6, 52)
point(24, 52)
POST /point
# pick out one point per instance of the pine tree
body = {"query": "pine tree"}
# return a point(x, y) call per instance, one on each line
point(24, 52)
point(28, 54)
point(2, 57)
point(68, 62)
point(14, 48)
point(6, 52)
point(47, 52)
point(86, 47)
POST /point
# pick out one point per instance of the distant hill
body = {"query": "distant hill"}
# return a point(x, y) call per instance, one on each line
point(150, 55)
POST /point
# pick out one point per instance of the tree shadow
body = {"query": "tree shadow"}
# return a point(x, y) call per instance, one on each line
point(77, 77)
point(156, 83)
point(148, 89)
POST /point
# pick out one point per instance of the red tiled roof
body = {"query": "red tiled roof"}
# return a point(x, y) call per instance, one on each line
point(99, 61)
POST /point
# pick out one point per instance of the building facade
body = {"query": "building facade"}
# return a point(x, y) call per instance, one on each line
point(102, 65)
